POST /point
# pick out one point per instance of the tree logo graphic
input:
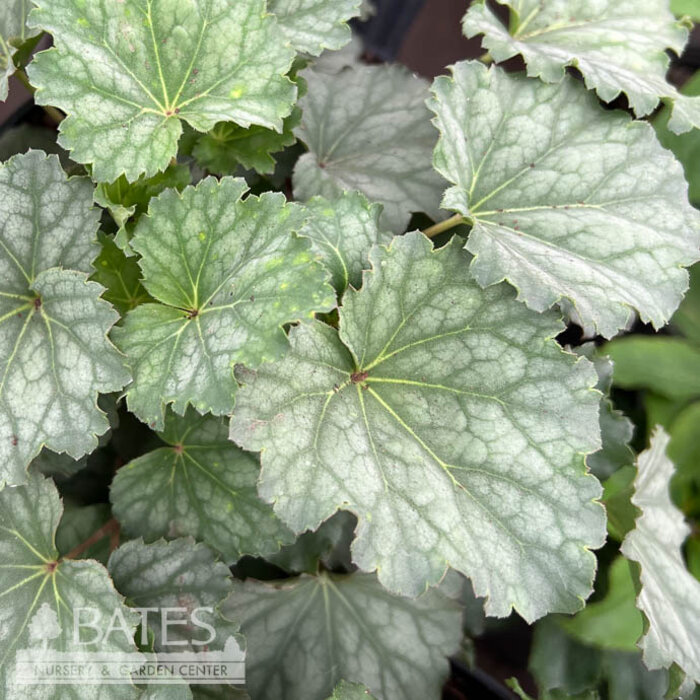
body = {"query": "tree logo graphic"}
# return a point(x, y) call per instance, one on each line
point(44, 626)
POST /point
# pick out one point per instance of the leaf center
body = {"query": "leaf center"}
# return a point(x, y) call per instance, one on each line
point(358, 377)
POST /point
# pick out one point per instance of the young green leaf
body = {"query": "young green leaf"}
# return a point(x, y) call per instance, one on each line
point(120, 275)
point(565, 668)
point(684, 452)
point(618, 490)
point(687, 318)
point(127, 200)
point(329, 546)
point(686, 147)
point(54, 352)
point(342, 231)
point(613, 622)
point(367, 129)
point(688, 8)
point(569, 202)
point(200, 485)
point(669, 595)
point(560, 662)
point(227, 274)
point(666, 365)
point(449, 421)
point(616, 429)
point(618, 45)
point(13, 33)
point(313, 25)
point(306, 634)
point(227, 145)
point(41, 594)
point(178, 575)
point(127, 72)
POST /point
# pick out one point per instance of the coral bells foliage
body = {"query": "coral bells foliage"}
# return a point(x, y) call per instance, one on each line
point(381, 419)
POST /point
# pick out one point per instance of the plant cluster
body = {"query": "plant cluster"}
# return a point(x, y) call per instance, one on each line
point(348, 441)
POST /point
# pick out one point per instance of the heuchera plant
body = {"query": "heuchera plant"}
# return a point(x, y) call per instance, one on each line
point(346, 441)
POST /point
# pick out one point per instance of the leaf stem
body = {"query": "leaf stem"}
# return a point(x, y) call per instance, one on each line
point(110, 528)
point(54, 114)
point(445, 225)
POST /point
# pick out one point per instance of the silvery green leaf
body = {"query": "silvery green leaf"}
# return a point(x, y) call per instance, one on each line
point(226, 274)
point(53, 324)
point(306, 634)
point(128, 72)
point(313, 25)
point(63, 467)
point(670, 596)
point(182, 575)
point(199, 484)
point(181, 585)
point(569, 202)
point(367, 129)
point(13, 33)
point(335, 61)
point(41, 594)
point(342, 231)
point(448, 420)
point(618, 45)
